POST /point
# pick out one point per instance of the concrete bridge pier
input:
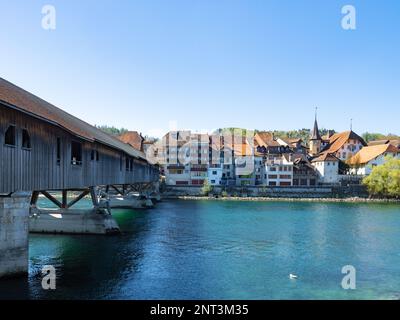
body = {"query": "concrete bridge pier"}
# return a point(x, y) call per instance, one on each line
point(149, 192)
point(126, 197)
point(64, 219)
point(14, 215)
point(155, 195)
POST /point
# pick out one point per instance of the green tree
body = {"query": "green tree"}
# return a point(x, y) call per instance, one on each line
point(112, 130)
point(384, 179)
point(369, 136)
point(207, 188)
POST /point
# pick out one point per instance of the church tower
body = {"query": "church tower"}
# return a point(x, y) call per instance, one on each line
point(315, 139)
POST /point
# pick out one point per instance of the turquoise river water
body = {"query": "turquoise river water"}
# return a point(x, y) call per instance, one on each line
point(224, 250)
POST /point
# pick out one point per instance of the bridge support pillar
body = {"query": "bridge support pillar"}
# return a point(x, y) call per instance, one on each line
point(126, 197)
point(155, 195)
point(64, 219)
point(14, 217)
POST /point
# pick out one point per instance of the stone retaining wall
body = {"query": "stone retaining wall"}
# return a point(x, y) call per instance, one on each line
point(277, 192)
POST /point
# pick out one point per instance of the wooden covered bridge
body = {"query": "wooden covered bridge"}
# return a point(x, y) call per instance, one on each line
point(42, 149)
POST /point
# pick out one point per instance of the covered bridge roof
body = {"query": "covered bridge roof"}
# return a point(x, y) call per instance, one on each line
point(19, 99)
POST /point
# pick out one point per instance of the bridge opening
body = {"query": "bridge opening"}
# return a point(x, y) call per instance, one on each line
point(76, 153)
point(26, 139)
point(9, 137)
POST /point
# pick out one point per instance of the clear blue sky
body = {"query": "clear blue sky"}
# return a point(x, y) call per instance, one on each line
point(209, 64)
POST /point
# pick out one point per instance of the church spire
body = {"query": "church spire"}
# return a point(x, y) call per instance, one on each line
point(315, 133)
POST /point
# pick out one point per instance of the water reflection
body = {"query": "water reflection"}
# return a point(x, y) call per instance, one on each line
point(223, 250)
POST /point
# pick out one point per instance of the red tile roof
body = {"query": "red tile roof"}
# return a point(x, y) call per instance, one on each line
point(133, 138)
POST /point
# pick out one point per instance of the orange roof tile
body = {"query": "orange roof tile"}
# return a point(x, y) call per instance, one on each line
point(339, 139)
point(325, 156)
point(369, 153)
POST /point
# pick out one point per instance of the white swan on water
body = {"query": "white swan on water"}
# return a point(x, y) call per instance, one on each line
point(292, 276)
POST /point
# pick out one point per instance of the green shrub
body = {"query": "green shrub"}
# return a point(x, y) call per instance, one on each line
point(384, 179)
point(207, 188)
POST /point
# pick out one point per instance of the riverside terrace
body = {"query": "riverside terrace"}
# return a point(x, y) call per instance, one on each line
point(42, 149)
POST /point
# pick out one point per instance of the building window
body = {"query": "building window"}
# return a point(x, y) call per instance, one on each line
point(131, 164)
point(312, 182)
point(120, 162)
point(212, 181)
point(9, 138)
point(76, 153)
point(26, 139)
point(272, 183)
point(58, 151)
point(214, 173)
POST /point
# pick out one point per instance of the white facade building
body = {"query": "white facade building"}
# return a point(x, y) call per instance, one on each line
point(278, 171)
point(327, 167)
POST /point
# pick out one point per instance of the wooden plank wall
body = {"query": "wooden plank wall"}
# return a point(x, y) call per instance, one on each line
point(37, 168)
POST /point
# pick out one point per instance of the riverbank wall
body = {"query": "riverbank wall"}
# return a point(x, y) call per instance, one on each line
point(317, 192)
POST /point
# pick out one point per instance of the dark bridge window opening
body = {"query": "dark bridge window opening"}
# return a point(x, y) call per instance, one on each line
point(76, 153)
point(58, 151)
point(131, 165)
point(127, 162)
point(26, 139)
point(94, 155)
point(9, 138)
point(120, 163)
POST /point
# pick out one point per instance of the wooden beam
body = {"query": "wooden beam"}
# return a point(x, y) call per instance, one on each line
point(78, 198)
point(94, 197)
point(116, 189)
point(52, 199)
point(134, 188)
point(64, 199)
point(34, 199)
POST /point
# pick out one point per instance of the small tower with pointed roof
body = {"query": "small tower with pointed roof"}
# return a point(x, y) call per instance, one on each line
point(315, 139)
